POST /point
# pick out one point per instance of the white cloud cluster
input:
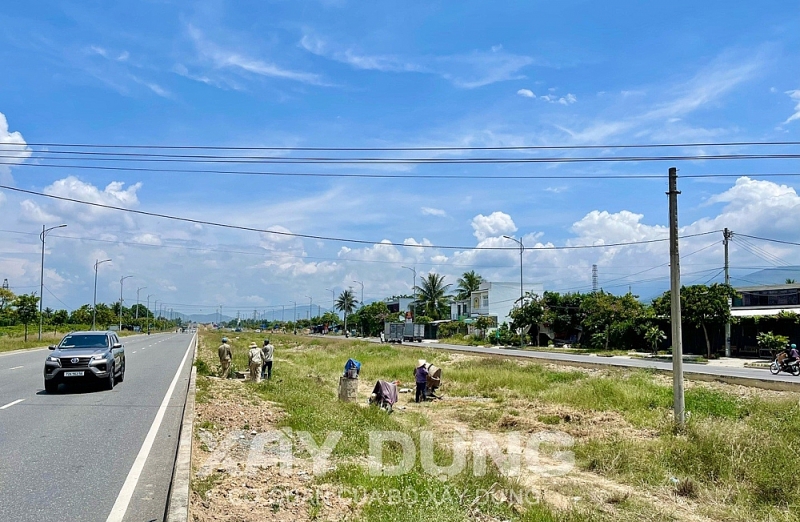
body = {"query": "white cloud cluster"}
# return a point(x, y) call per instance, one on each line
point(495, 224)
point(13, 145)
point(429, 211)
point(569, 99)
point(526, 93)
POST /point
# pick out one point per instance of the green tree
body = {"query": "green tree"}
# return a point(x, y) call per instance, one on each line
point(468, 283)
point(6, 298)
point(789, 281)
point(529, 314)
point(701, 306)
point(60, 318)
point(483, 323)
point(770, 341)
point(26, 306)
point(654, 335)
point(432, 295)
point(563, 313)
point(611, 319)
point(346, 303)
point(82, 315)
point(371, 317)
point(329, 318)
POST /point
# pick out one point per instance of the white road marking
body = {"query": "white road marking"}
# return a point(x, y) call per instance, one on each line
point(125, 494)
point(10, 404)
point(134, 352)
point(16, 367)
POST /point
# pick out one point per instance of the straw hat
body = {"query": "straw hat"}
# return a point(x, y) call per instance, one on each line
point(253, 345)
point(421, 362)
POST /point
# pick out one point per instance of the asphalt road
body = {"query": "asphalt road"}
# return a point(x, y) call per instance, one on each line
point(756, 374)
point(67, 456)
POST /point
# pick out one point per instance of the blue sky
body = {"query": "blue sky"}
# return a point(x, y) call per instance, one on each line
point(346, 74)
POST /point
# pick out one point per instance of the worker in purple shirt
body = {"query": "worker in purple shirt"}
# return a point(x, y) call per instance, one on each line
point(421, 376)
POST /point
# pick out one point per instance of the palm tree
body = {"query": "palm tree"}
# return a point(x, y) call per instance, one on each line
point(469, 282)
point(346, 303)
point(432, 294)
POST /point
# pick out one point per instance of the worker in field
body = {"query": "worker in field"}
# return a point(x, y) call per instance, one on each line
point(225, 357)
point(254, 360)
point(267, 352)
point(421, 377)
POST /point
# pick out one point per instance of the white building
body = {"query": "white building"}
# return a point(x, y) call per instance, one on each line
point(494, 300)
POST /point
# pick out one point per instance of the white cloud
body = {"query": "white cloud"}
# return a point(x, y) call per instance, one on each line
point(225, 59)
point(12, 144)
point(98, 50)
point(112, 194)
point(569, 99)
point(495, 224)
point(153, 87)
point(526, 93)
point(32, 213)
point(467, 71)
point(2, 198)
point(795, 96)
point(123, 56)
point(147, 239)
point(428, 211)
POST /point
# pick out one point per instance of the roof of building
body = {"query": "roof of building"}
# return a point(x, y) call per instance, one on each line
point(761, 311)
point(755, 288)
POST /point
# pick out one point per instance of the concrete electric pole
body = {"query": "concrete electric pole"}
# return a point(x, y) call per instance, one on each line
point(675, 298)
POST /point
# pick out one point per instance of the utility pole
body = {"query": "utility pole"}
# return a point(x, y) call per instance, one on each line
point(148, 312)
point(94, 300)
point(137, 300)
point(283, 310)
point(310, 306)
point(332, 299)
point(120, 300)
point(413, 289)
point(594, 279)
point(41, 278)
point(727, 235)
point(675, 298)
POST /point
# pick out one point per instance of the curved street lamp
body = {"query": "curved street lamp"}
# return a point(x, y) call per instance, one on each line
point(41, 276)
point(121, 279)
point(94, 300)
point(521, 251)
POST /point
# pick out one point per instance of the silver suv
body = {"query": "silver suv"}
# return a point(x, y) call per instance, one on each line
point(99, 356)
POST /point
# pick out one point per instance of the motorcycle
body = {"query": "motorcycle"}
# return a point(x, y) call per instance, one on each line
point(782, 365)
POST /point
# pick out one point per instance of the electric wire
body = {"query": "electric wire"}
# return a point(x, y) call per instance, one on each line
point(329, 238)
point(429, 148)
point(392, 176)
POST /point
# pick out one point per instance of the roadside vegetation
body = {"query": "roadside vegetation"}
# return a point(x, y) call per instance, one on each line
point(19, 320)
point(734, 460)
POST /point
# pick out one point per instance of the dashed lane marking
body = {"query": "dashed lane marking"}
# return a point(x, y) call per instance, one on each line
point(10, 404)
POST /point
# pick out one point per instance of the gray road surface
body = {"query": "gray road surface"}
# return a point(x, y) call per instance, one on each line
point(67, 456)
point(754, 374)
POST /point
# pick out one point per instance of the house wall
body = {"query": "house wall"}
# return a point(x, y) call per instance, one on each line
point(497, 299)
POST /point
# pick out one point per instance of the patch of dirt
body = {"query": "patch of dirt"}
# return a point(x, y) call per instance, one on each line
point(577, 488)
point(231, 483)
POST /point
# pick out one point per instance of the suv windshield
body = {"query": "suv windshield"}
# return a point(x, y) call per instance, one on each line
point(84, 341)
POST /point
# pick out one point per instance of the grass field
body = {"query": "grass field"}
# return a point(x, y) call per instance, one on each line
point(734, 460)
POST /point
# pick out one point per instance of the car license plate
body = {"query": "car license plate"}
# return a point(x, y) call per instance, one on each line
point(73, 374)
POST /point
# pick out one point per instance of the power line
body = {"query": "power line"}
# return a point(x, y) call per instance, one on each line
point(433, 148)
point(328, 238)
point(388, 175)
point(769, 239)
point(330, 160)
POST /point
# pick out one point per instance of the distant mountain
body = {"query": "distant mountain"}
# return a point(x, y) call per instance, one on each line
point(768, 276)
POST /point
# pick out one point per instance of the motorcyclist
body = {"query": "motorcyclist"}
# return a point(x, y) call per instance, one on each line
point(794, 355)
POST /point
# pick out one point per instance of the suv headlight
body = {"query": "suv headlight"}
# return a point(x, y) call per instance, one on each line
point(50, 358)
point(98, 357)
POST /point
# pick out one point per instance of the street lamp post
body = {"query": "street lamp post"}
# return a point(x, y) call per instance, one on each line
point(41, 275)
point(333, 299)
point(137, 300)
point(94, 300)
point(521, 251)
point(148, 312)
point(310, 306)
point(413, 288)
point(362, 303)
point(121, 279)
